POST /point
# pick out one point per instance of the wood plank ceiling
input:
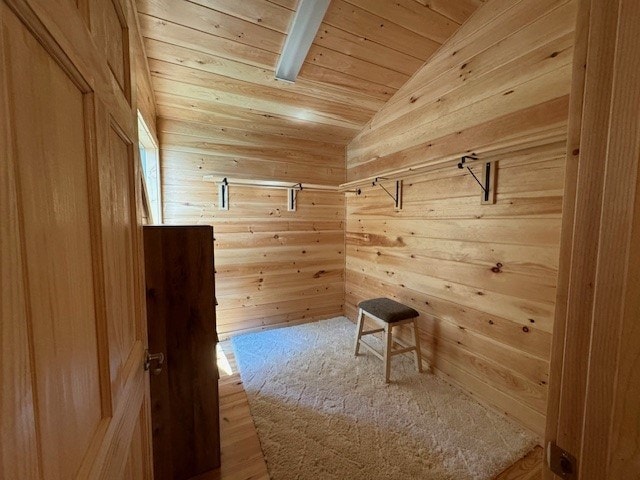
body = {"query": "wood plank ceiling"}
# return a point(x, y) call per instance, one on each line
point(213, 61)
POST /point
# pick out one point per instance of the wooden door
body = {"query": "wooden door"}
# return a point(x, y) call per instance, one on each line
point(74, 392)
point(594, 399)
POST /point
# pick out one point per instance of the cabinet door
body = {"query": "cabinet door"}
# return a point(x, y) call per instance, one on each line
point(71, 337)
point(181, 324)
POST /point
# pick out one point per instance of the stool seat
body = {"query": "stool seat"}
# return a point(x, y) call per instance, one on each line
point(387, 313)
point(388, 310)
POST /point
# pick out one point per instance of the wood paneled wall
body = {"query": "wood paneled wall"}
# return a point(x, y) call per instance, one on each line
point(222, 112)
point(482, 276)
point(273, 267)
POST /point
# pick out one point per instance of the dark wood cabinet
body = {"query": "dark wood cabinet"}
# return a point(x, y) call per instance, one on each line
point(181, 323)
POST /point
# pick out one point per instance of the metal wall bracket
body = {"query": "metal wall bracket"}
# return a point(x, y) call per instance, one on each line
point(292, 197)
point(561, 462)
point(488, 178)
point(223, 195)
point(397, 198)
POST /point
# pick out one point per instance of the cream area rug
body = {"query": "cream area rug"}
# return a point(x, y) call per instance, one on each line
point(322, 413)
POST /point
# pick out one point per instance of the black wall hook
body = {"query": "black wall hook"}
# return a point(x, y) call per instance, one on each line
point(464, 159)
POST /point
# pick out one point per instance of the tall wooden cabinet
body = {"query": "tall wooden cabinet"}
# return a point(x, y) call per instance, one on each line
point(181, 324)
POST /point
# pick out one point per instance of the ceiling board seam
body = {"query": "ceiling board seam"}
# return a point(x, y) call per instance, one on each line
point(257, 65)
point(328, 130)
point(330, 120)
point(236, 38)
point(302, 96)
point(235, 15)
point(312, 83)
point(373, 41)
point(362, 59)
point(383, 20)
point(326, 68)
point(350, 2)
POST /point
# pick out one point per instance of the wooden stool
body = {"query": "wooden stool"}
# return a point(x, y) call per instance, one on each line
point(387, 314)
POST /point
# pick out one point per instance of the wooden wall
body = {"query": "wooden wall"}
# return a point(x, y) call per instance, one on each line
point(222, 112)
point(482, 276)
point(273, 267)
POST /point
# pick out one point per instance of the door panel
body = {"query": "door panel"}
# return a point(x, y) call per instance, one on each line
point(75, 395)
point(18, 448)
point(118, 230)
point(111, 33)
point(51, 162)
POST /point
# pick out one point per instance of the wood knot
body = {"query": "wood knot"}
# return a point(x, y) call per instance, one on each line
point(525, 329)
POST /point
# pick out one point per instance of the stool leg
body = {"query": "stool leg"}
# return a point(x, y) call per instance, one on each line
point(359, 331)
point(417, 342)
point(387, 351)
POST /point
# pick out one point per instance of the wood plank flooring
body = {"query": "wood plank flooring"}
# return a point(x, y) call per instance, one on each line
point(242, 457)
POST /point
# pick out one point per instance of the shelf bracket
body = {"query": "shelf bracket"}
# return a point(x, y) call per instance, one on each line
point(292, 197)
point(223, 195)
point(397, 198)
point(487, 184)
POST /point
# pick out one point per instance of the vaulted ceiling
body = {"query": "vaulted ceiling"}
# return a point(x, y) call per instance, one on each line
point(213, 61)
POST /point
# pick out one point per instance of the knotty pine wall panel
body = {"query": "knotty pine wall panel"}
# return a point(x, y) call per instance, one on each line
point(273, 267)
point(483, 277)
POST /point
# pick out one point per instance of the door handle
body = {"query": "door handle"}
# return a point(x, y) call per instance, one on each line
point(153, 357)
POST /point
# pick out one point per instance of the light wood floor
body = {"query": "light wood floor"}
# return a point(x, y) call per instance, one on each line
point(241, 454)
point(242, 457)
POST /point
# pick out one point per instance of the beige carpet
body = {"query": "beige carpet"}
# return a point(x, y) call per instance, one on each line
point(322, 414)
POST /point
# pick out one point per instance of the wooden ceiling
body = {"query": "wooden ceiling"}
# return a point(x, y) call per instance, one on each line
point(213, 61)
